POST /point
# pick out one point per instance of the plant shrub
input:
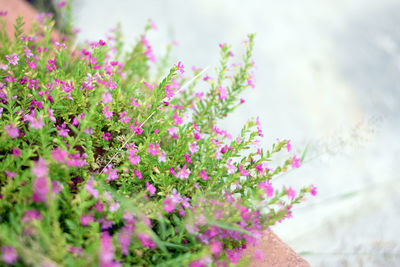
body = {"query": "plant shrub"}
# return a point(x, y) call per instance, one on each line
point(104, 163)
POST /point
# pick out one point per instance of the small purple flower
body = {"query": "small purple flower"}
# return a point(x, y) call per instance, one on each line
point(62, 130)
point(37, 123)
point(107, 97)
point(313, 190)
point(106, 253)
point(31, 215)
point(90, 188)
point(183, 173)
point(169, 91)
point(150, 188)
point(9, 174)
point(295, 162)
point(173, 132)
point(57, 187)
point(12, 59)
point(112, 173)
point(8, 254)
point(180, 67)
point(61, 4)
point(291, 193)
point(86, 219)
point(138, 174)
point(203, 175)
point(125, 238)
point(16, 152)
point(193, 148)
point(107, 113)
point(146, 241)
point(114, 206)
point(12, 131)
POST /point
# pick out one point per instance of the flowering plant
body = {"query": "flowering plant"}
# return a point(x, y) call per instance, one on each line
point(104, 163)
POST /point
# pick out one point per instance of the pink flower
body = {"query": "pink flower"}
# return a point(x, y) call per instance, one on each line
point(295, 162)
point(9, 174)
point(154, 150)
point(146, 241)
point(222, 93)
point(197, 263)
point(291, 193)
point(148, 86)
point(51, 114)
point(107, 97)
point(203, 175)
point(137, 129)
point(268, 189)
point(125, 238)
point(36, 123)
point(216, 247)
point(106, 253)
point(28, 52)
point(230, 167)
point(107, 113)
point(259, 129)
point(259, 168)
point(200, 95)
point(86, 219)
point(153, 25)
point(251, 80)
point(114, 206)
point(124, 118)
point(149, 51)
point(12, 59)
point(134, 102)
point(150, 188)
point(187, 158)
point(169, 204)
point(12, 131)
point(313, 190)
point(31, 215)
point(112, 173)
point(31, 64)
point(288, 146)
point(90, 188)
point(243, 171)
point(8, 254)
point(51, 66)
point(107, 136)
point(173, 132)
point(40, 186)
point(169, 92)
point(56, 186)
point(99, 206)
point(193, 148)
point(16, 152)
point(134, 159)
point(62, 130)
point(177, 119)
point(61, 4)
point(183, 173)
point(138, 174)
point(180, 67)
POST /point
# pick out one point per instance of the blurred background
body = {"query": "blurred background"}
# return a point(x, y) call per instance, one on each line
point(327, 78)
